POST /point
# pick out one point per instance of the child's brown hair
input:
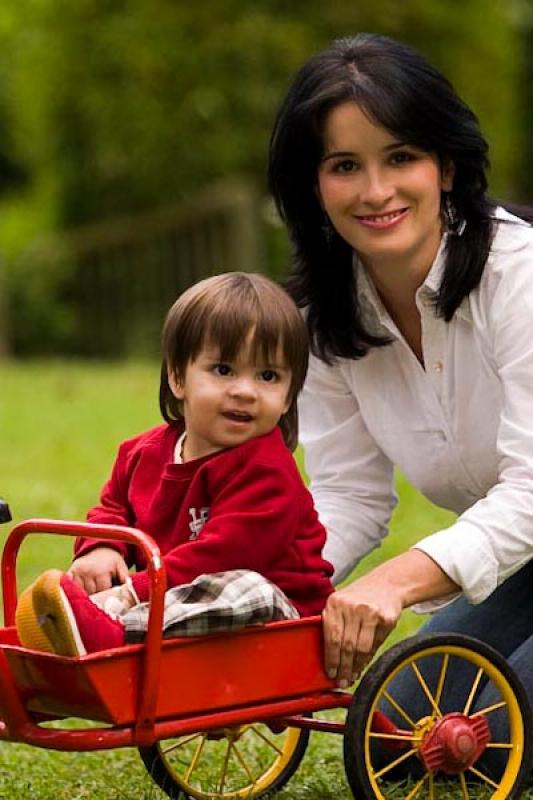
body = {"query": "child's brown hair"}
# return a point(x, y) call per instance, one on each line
point(221, 311)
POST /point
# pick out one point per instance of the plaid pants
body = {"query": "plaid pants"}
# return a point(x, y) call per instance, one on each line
point(222, 601)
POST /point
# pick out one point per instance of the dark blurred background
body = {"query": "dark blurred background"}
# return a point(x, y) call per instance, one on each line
point(134, 138)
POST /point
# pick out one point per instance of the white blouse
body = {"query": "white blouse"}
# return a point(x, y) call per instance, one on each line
point(460, 429)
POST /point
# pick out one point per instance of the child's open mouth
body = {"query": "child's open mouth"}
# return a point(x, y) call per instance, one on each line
point(238, 416)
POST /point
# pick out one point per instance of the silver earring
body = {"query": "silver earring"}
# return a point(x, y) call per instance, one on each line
point(452, 223)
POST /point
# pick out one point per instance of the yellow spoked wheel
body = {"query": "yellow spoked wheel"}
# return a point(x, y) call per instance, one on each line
point(232, 763)
point(415, 731)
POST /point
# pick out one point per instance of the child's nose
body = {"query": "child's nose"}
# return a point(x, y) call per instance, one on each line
point(244, 387)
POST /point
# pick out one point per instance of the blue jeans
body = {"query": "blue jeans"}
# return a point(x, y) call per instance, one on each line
point(504, 621)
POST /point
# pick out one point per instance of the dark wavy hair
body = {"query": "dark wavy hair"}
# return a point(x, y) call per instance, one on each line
point(220, 312)
point(401, 91)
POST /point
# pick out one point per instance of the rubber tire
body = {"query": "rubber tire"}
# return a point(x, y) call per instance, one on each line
point(376, 676)
point(164, 778)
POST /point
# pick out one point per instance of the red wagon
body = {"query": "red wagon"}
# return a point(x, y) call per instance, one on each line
point(229, 715)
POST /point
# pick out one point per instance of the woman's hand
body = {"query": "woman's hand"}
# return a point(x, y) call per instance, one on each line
point(358, 618)
point(99, 569)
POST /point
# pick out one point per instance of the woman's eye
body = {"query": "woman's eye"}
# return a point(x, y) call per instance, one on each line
point(345, 166)
point(269, 376)
point(402, 157)
point(222, 369)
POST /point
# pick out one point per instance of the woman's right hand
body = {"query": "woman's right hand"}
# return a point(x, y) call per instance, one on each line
point(99, 569)
point(357, 620)
point(359, 617)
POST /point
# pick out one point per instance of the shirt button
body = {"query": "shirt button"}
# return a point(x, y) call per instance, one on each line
point(438, 366)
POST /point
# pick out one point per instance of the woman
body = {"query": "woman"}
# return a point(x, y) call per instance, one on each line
point(418, 295)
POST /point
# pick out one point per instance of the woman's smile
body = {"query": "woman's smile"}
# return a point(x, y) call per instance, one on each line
point(382, 221)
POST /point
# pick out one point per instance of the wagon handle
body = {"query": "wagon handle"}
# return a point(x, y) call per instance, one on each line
point(158, 584)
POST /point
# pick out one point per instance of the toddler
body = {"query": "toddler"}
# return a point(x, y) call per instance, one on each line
point(215, 485)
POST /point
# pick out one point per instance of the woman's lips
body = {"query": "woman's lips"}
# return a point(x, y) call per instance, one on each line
point(382, 221)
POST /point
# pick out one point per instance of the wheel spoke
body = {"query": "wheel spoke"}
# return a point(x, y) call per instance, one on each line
point(225, 767)
point(394, 763)
point(416, 789)
point(484, 777)
point(425, 689)
point(499, 745)
point(442, 678)
point(268, 741)
point(196, 757)
point(473, 690)
point(180, 743)
point(490, 709)
point(464, 788)
point(243, 764)
point(398, 708)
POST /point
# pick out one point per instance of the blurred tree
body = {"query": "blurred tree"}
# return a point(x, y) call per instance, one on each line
point(120, 106)
point(13, 175)
point(110, 107)
point(522, 15)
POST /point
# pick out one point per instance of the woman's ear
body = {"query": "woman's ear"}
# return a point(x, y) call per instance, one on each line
point(448, 174)
point(176, 385)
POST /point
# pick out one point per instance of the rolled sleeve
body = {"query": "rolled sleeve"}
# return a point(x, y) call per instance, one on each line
point(465, 555)
point(493, 538)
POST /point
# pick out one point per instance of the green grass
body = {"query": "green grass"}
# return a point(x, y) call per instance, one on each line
point(61, 423)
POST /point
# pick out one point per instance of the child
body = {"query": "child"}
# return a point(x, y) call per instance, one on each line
point(215, 485)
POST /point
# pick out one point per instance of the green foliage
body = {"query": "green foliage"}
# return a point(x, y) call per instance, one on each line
point(111, 108)
point(121, 106)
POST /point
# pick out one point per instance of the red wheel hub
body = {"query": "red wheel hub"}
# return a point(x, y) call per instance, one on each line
point(454, 743)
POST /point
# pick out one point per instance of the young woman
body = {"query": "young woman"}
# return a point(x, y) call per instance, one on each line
point(215, 485)
point(417, 292)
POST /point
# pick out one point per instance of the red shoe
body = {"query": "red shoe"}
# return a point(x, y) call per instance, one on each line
point(56, 615)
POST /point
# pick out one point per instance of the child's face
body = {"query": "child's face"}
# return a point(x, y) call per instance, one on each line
point(227, 403)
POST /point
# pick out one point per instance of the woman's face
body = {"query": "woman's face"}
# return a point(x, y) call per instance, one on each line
point(382, 195)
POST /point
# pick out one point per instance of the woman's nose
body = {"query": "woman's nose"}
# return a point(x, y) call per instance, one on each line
point(376, 188)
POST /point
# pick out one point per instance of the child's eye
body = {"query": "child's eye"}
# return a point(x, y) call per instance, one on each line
point(222, 369)
point(269, 376)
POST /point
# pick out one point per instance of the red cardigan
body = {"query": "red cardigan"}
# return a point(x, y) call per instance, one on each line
point(242, 508)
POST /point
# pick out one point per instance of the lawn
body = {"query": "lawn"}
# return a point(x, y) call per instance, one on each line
point(61, 422)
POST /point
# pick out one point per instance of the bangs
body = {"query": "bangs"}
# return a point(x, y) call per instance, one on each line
point(231, 330)
point(221, 313)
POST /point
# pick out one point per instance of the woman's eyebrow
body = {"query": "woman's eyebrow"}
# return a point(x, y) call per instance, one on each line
point(394, 145)
point(352, 153)
point(339, 154)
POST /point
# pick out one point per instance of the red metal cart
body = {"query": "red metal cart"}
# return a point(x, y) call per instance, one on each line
point(229, 715)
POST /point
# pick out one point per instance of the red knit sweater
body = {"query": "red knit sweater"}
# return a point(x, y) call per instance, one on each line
point(242, 508)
